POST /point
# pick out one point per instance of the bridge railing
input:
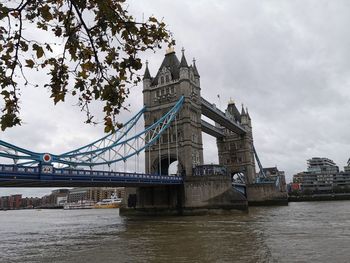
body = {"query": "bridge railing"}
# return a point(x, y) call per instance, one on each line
point(213, 108)
point(18, 169)
point(14, 169)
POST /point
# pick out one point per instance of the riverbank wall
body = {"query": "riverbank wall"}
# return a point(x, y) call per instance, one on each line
point(319, 197)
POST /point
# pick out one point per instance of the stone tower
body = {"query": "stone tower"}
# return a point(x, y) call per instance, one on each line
point(183, 141)
point(236, 151)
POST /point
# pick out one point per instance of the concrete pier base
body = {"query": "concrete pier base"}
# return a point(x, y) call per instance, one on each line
point(197, 196)
point(266, 194)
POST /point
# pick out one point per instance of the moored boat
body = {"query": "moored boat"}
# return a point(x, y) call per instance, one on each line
point(113, 202)
point(82, 204)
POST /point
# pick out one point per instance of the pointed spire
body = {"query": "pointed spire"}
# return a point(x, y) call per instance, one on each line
point(183, 63)
point(170, 50)
point(231, 101)
point(147, 75)
point(195, 71)
point(247, 113)
point(243, 111)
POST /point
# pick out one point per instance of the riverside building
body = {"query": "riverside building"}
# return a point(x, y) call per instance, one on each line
point(347, 168)
point(323, 175)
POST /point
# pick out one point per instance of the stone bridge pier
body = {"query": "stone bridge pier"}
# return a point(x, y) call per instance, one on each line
point(198, 195)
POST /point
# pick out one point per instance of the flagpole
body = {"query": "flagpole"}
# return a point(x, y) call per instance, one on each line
point(219, 101)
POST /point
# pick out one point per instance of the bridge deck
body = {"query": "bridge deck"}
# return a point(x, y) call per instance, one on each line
point(14, 176)
point(210, 111)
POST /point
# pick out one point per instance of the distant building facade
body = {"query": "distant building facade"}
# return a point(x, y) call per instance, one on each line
point(11, 202)
point(275, 174)
point(59, 197)
point(347, 168)
point(94, 193)
point(322, 175)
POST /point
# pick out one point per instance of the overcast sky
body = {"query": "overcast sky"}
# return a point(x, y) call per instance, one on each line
point(287, 61)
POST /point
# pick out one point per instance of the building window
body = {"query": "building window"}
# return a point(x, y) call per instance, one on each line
point(167, 78)
point(161, 80)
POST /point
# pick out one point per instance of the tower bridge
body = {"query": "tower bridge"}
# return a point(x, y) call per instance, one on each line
point(173, 126)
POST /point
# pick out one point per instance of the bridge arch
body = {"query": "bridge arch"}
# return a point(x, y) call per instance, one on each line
point(164, 163)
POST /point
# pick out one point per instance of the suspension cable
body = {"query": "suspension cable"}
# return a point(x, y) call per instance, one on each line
point(125, 165)
point(168, 149)
point(177, 147)
point(138, 157)
point(160, 163)
point(149, 157)
point(137, 140)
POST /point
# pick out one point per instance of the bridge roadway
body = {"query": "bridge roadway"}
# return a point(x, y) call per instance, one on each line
point(213, 113)
point(47, 176)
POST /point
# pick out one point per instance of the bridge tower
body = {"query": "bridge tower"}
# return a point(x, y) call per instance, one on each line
point(183, 141)
point(236, 151)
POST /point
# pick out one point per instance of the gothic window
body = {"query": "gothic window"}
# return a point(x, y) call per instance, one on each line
point(161, 80)
point(167, 78)
point(194, 138)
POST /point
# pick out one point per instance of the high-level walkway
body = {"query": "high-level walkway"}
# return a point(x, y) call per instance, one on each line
point(210, 111)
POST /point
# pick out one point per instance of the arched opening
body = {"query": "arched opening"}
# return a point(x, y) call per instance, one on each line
point(168, 166)
point(238, 177)
point(173, 168)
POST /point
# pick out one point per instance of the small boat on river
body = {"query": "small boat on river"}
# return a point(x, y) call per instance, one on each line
point(82, 204)
point(113, 202)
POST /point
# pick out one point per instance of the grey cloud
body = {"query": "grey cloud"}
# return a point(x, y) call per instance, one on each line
point(287, 61)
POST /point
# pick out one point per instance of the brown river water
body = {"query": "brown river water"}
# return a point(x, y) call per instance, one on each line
point(300, 232)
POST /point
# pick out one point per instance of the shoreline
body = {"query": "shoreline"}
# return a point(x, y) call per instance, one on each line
point(319, 197)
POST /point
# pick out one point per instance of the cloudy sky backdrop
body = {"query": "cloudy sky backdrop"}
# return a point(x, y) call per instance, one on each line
point(287, 61)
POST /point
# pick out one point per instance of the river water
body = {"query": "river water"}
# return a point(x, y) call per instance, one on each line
point(300, 232)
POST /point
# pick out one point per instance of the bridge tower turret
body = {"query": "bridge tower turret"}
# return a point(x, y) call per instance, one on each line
point(183, 141)
point(236, 151)
point(147, 80)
